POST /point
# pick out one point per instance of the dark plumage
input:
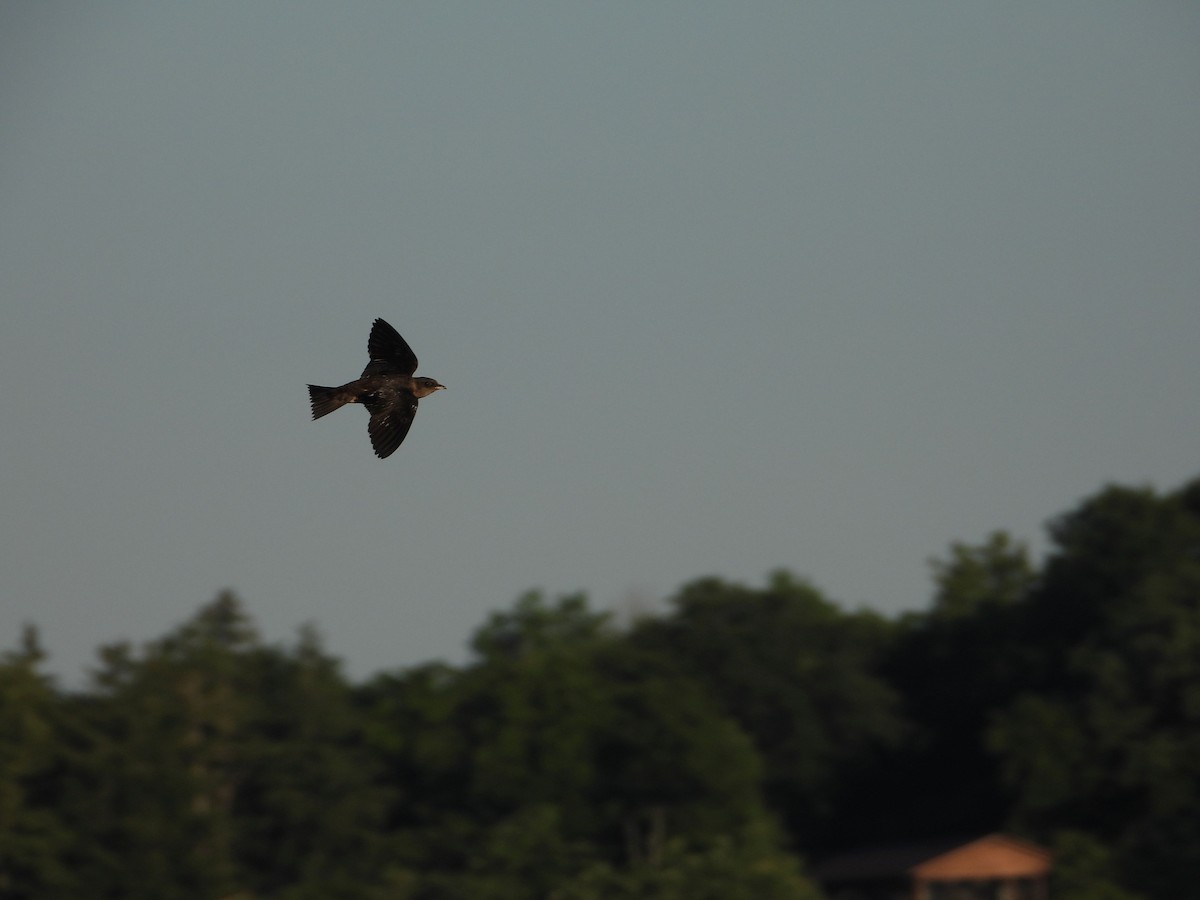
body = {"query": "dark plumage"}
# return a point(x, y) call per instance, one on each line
point(387, 389)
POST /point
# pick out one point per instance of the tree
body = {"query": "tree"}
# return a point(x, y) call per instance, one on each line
point(955, 665)
point(1103, 549)
point(532, 626)
point(1110, 746)
point(721, 870)
point(561, 747)
point(799, 676)
point(1084, 870)
point(209, 764)
point(310, 804)
point(996, 574)
point(34, 840)
point(158, 773)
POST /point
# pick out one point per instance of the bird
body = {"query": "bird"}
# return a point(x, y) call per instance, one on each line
point(387, 388)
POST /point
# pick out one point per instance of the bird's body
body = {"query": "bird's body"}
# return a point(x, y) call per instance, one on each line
point(387, 388)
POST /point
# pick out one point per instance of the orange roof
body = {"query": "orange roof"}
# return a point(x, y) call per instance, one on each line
point(990, 856)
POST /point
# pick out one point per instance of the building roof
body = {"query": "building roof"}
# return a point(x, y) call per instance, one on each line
point(989, 856)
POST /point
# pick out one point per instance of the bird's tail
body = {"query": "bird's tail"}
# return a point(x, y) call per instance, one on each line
point(326, 399)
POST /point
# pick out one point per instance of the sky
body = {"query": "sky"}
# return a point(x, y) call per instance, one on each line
point(715, 289)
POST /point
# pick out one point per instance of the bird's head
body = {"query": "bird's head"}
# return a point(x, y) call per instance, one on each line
point(423, 387)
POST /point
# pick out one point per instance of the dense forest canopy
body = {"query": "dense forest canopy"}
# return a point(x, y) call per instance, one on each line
point(711, 751)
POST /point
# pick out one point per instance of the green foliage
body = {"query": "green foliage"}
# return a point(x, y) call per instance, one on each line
point(722, 870)
point(562, 747)
point(532, 626)
point(1084, 870)
point(975, 579)
point(1109, 746)
point(35, 840)
point(210, 763)
point(798, 675)
point(955, 665)
point(683, 757)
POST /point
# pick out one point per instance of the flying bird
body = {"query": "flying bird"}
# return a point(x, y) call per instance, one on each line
point(387, 389)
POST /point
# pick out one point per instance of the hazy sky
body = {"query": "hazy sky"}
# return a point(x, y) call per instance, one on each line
point(715, 288)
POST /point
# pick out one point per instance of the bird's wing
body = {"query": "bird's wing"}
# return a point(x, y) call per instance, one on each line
point(389, 352)
point(390, 421)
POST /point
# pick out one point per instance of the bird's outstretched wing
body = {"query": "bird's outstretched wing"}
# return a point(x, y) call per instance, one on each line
point(389, 352)
point(390, 420)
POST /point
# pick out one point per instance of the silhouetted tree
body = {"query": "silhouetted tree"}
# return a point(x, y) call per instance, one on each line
point(35, 840)
point(1109, 744)
point(954, 666)
point(800, 677)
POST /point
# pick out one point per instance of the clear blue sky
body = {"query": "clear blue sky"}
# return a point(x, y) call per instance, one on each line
point(715, 287)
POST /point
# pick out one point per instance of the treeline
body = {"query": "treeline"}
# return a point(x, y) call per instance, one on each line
point(712, 751)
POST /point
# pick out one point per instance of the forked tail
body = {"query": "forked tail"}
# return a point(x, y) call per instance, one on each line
point(325, 399)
